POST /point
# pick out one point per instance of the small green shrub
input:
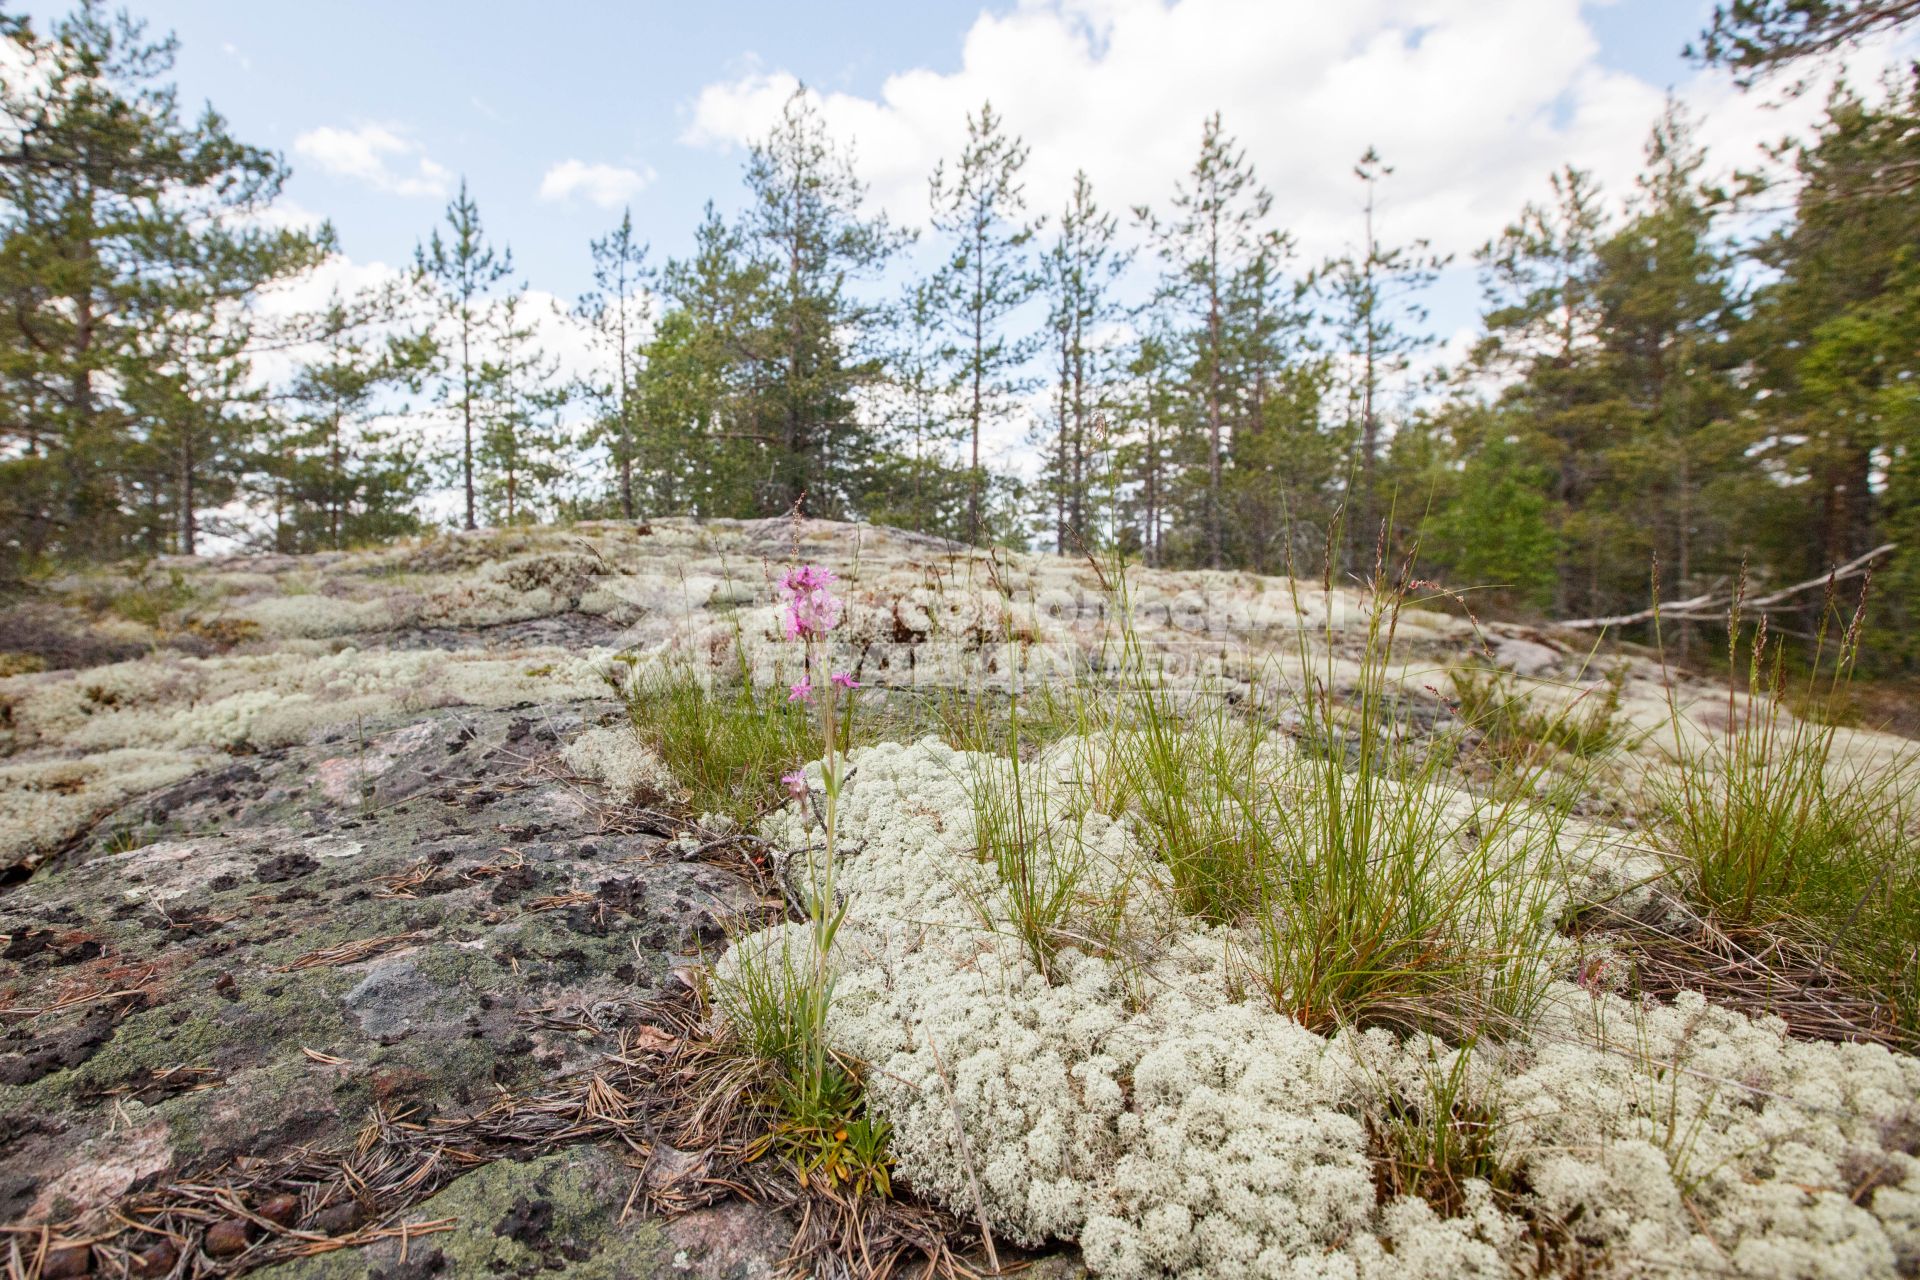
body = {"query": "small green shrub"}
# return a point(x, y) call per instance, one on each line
point(153, 599)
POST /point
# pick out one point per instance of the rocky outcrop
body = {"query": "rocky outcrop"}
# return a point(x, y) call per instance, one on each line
point(309, 852)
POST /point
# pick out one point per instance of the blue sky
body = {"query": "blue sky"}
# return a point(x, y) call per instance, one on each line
point(501, 93)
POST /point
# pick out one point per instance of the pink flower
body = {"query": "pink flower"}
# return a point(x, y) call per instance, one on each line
point(812, 608)
point(1595, 976)
point(807, 577)
point(802, 692)
point(796, 784)
point(844, 680)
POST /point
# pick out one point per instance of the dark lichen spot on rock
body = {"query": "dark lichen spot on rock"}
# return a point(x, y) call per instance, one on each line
point(34, 1055)
point(284, 866)
point(528, 1221)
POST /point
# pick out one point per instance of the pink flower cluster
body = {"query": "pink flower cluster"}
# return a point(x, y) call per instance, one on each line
point(812, 611)
point(803, 692)
point(812, 608)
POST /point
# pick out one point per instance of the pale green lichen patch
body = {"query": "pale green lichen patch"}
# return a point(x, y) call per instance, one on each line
point(558, 1213)
point(623, 767)
point(45, 803)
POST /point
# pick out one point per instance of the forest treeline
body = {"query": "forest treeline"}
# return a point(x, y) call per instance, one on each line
point(1680, 375)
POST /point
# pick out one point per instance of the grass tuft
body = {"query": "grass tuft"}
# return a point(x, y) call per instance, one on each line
point(1431, 1141)
point(1201, 774)
point(1038, 860)
point(776, 1003)
point(1370, 887)
point(1391, 896)
point(727, 745)
point(1772, 826)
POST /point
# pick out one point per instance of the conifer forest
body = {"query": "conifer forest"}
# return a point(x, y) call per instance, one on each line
point(1664, 381)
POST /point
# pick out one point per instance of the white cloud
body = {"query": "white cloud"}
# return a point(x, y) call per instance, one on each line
point(288, 214)
point(605, 185)
point(1473, 102)
point(377, 156)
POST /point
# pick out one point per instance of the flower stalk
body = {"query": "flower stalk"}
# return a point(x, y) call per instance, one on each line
point(811, 612)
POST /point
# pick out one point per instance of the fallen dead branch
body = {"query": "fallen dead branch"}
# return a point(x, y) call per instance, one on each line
point(1712, 606)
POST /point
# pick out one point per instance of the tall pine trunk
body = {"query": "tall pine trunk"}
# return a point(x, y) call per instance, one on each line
point(466, 412)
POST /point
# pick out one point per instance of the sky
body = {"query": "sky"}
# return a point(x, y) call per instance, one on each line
point(558, 115)
point(562, 114)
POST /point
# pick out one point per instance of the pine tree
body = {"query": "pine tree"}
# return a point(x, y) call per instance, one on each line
point(340, 469)
point(1758, 37)
point(1215, 230)
point(678, 397)
point(1836, 341)
point(1146, 460)
point(461, 271)
point(1378, 324)
point(616, 311)
point(1081, 271)
point(696, 381)
point(1279, 487)
point(1543, 322)
point(127, 261)
point(801, 338)
point(1490, 527)
point(980, 205)
point(919, 486)
point(522, 450)
point(1667, 306)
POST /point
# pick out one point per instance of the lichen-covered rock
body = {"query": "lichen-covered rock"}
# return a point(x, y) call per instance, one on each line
point(433, 905)
point(562, 1213)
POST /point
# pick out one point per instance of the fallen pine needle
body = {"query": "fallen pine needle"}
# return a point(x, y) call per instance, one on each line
point(350, 952)
point(578, 897)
